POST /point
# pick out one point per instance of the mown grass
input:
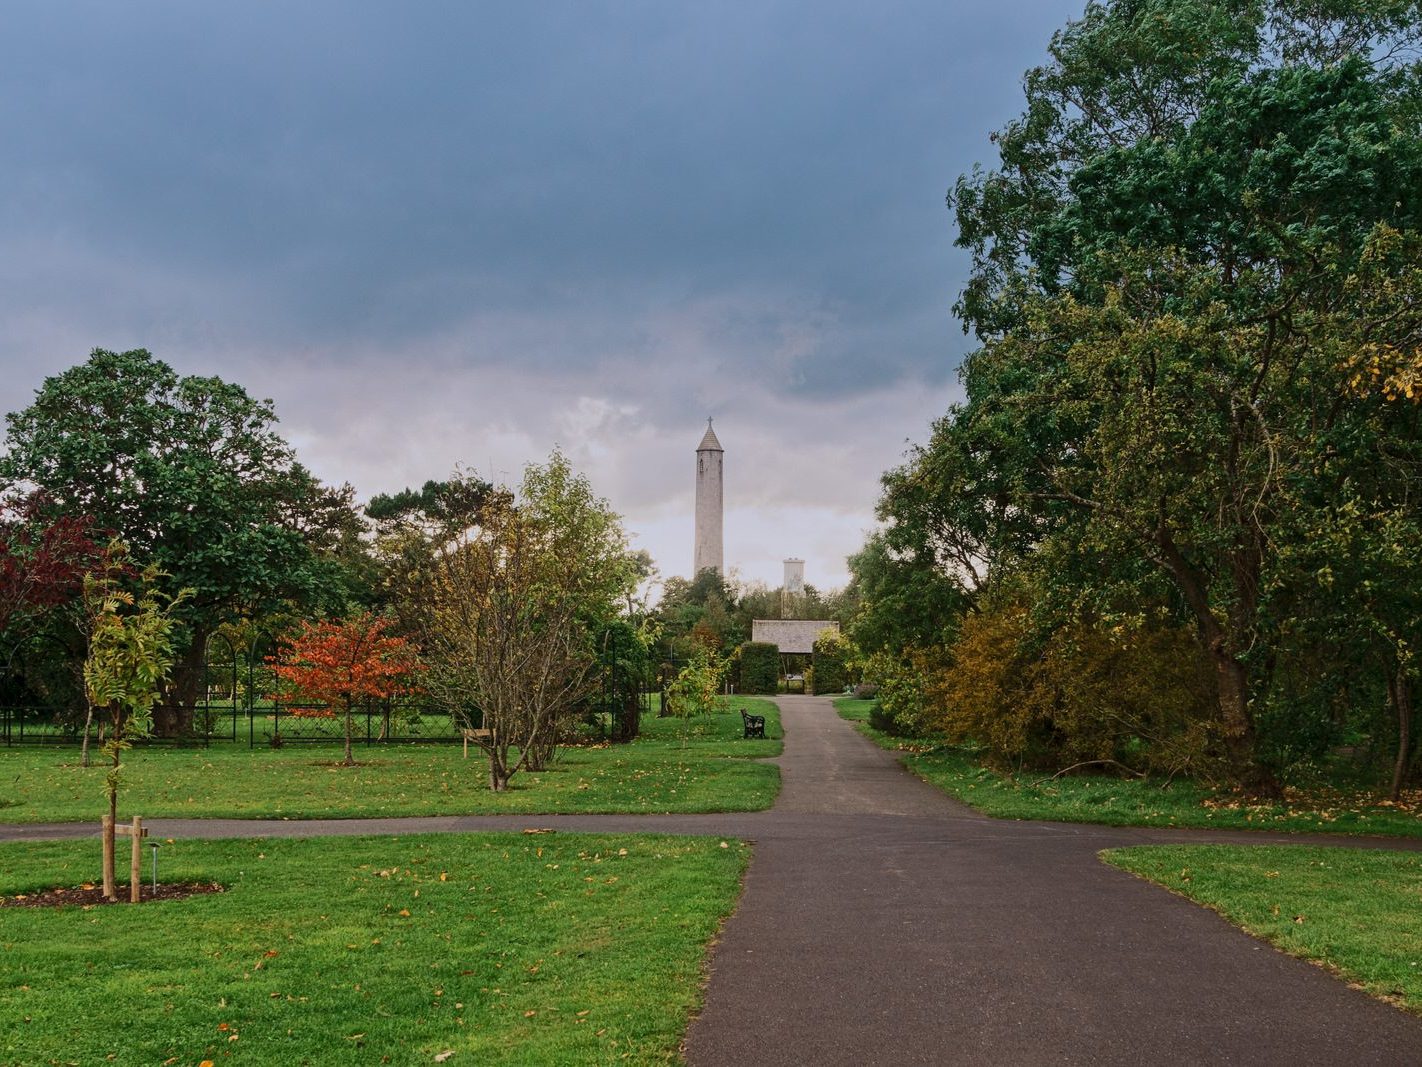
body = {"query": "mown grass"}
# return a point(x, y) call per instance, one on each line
point(697, 765)
point(503, 948)
point(1352, 910)
point(1116, 801)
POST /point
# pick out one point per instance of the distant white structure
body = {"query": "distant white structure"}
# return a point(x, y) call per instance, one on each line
point(794, 576)
point(709, 505)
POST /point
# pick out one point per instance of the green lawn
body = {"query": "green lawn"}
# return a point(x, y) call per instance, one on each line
point(697, 765)
point(1354, 911)
point(505, 948)
point(1096, 798)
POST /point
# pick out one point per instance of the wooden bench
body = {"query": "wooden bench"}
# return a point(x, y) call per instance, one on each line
point(754, 724)
point(476, 736)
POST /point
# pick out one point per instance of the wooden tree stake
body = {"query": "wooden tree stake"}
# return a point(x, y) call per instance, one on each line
point(108, 834)
point(137, 831)
point(135, 866)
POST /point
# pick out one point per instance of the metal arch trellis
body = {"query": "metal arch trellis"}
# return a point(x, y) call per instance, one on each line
point(62, 721)
point(273, 720)
point(27, 716)
point(235, 680)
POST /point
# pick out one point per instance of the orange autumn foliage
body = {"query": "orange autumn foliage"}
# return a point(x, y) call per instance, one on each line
point(340, 664)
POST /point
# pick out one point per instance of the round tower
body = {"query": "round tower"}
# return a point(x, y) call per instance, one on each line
point(709, 504)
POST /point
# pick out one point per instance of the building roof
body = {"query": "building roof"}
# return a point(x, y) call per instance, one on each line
point(791, 635)
point(709, 442)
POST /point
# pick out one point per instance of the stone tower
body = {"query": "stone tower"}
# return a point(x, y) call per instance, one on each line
point(794, 576)
point(709, 504)
point(793, 587)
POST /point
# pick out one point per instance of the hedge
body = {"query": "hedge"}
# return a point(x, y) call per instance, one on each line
point(760, 667)
point(831, 674)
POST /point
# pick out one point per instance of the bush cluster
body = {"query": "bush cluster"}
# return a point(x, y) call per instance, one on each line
point(831, 653)
point(760, 667)
point(1141, 696)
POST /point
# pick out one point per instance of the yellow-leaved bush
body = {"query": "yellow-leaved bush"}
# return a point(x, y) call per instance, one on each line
point(1139, 695)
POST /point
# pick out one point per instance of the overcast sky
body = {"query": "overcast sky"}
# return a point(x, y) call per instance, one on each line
point(458, 233)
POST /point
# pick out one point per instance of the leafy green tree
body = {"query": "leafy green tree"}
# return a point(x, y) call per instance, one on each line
point(1206, 213)
point(516, 607)
point(411, 528)
point(693, 691)
point(904, 599)
point(191, 473)
point(129, 659)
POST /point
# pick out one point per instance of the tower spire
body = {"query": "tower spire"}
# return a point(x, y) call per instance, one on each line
point(709, 504)
point(709, 443)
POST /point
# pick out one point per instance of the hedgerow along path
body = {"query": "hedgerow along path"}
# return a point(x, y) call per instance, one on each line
point(883, 922)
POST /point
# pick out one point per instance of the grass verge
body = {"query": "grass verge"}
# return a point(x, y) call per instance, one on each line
point(697, 765)
point(1135, 802)
point(1352, 910)
point(503, 948)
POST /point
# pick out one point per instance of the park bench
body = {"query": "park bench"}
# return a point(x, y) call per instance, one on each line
point(475, 736)
point(754, 724)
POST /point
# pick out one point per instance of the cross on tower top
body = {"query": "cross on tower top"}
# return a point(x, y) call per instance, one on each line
point(709, 443)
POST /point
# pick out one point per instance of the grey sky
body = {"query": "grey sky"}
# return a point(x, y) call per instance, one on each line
point(440, 233)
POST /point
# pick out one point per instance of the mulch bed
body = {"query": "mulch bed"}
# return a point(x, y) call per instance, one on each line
point(86, 896)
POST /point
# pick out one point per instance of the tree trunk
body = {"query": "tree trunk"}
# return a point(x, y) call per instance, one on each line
point(1232, 694)
point(1399, 692)
point(629, 722)
point(88, 724)
point(174, 717)
point(1231, 676)
point(350, 759)
point(498, 765)
point(541, 754)
point(498, 777)
point(110, 888)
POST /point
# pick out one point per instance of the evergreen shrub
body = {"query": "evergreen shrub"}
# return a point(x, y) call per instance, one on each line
point(831, 672)
point(760, 667)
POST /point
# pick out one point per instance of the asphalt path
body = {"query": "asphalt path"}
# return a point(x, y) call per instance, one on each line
point(885, 923)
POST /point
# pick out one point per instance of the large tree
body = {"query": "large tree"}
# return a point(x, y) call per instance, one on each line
point(191, 473)
point(43, 561)
point(516, 609)
point(412, 528)
point(1196, 255)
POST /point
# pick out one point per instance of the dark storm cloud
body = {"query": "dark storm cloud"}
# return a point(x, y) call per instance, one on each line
point(579, 197)
point(385, 168)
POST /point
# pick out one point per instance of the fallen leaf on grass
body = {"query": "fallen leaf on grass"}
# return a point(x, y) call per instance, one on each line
point(440, 1057)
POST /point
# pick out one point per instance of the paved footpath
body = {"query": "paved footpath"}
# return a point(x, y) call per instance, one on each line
point(885, 923)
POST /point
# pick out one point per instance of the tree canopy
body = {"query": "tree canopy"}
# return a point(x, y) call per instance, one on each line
point(191, 473)
point(1195, 289)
